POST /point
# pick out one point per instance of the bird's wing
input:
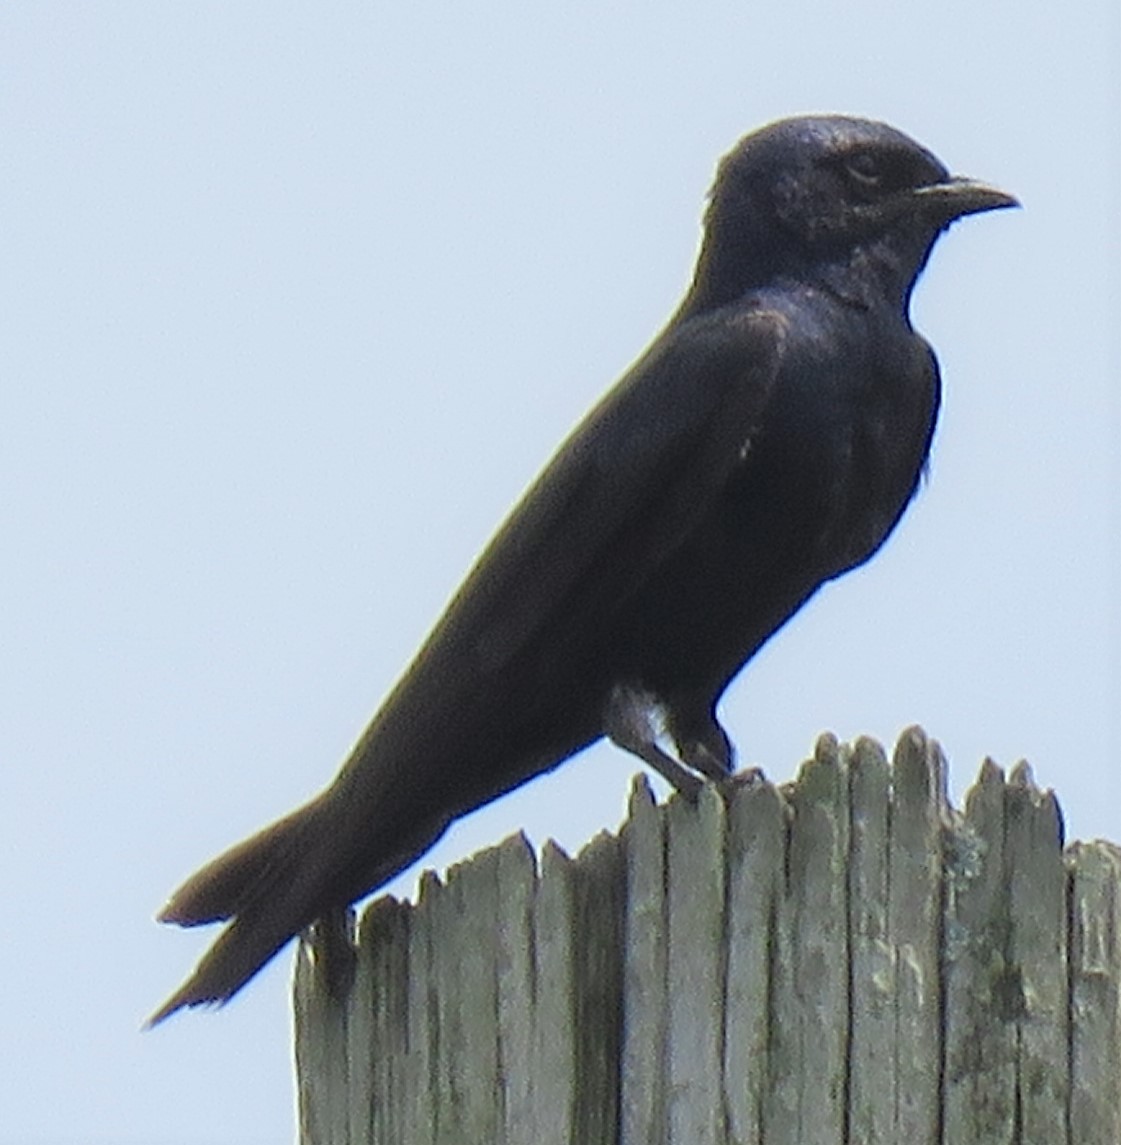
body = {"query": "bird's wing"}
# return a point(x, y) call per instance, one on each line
point(621, 494)
point(618, 499)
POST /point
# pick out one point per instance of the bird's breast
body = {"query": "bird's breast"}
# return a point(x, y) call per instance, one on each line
point(845, 439)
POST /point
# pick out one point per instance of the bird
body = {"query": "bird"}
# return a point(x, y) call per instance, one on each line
point(767, 441)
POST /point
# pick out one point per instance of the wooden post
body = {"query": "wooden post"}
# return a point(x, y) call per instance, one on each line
point(843, 960)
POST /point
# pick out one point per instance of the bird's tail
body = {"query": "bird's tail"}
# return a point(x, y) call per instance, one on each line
point(323, 856)
point(271, 886)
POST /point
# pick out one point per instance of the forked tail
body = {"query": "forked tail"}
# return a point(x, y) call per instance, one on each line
point(330, 852)
point(271, 886)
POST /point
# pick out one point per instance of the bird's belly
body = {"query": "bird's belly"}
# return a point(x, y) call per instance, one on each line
point(708, 610)
point(793, 522)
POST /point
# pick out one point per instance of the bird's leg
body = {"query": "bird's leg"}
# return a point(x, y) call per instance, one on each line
point(632, 721)
point(703, 745)
point(332, 940)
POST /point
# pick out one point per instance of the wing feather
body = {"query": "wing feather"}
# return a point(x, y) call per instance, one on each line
point(618, 498)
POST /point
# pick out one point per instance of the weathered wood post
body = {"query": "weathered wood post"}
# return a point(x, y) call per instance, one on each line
point(843, 960)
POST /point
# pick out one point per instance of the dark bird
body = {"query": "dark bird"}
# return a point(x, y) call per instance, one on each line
point(766, 442)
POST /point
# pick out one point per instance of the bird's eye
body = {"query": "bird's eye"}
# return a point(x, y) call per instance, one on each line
point(864, 170)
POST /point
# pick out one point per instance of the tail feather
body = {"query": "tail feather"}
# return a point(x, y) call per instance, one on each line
point(240, 951)
point(220, 889)
point(270, 885)
point(282, 879)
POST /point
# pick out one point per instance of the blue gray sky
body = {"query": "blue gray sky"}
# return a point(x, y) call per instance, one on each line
point(297, 298)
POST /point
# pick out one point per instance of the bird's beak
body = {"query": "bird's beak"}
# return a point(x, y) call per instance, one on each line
point(959, 196)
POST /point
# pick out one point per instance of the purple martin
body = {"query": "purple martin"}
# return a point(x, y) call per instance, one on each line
point(767, 441)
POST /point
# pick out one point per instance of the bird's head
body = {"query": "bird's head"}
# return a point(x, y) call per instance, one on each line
point(829, 195)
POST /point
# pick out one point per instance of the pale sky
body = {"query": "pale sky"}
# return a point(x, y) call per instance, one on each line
point(296, 301)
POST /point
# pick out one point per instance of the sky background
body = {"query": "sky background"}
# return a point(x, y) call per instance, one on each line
point(295, 299)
